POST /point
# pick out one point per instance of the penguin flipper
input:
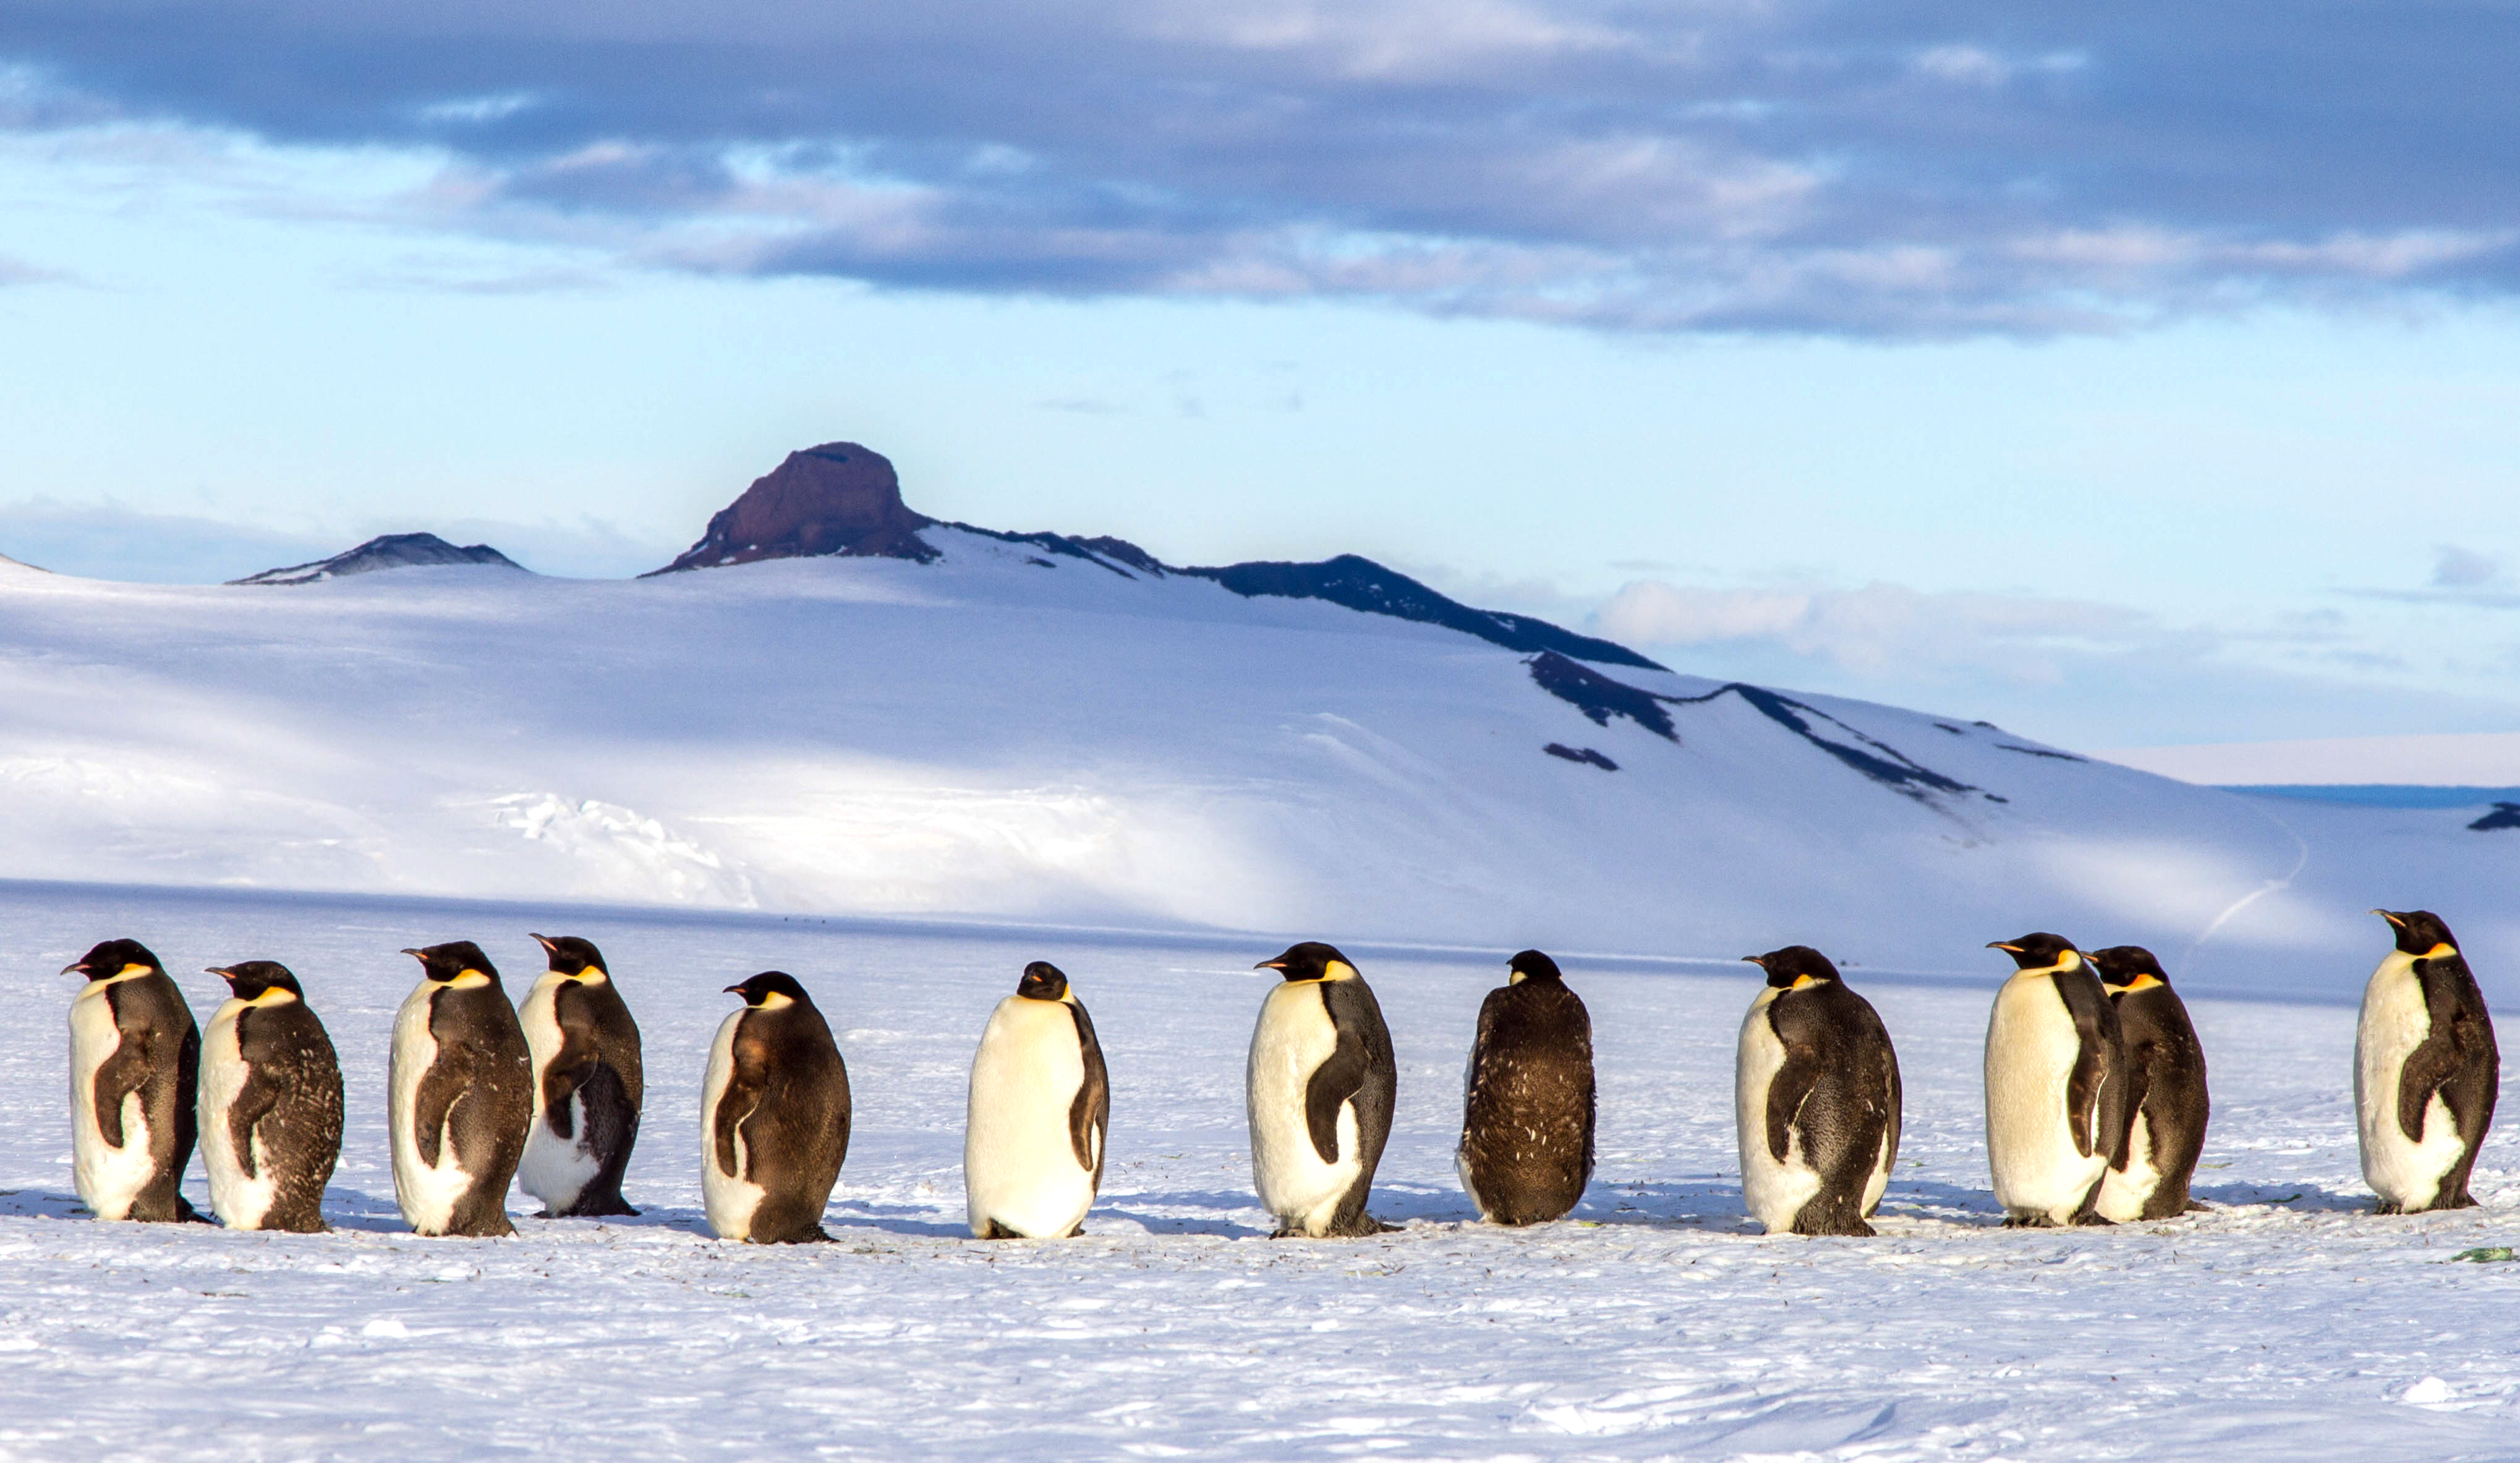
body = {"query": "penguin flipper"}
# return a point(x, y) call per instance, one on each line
point(742, 1094)
point(2094, 1110)
point(1088, 1116)
point(124, 1072)
point(1337, 1079)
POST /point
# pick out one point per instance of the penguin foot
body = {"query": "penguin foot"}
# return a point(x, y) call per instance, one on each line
point(2195, 1206)
point(2087, 1220)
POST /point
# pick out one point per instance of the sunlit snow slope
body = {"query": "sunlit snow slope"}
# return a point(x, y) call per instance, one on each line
point(1032, 736)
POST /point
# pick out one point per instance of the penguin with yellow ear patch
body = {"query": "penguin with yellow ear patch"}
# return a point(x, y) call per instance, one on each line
point(1032, 1147)
point(459, 1093)
point(2165, 1107)
point(135, 1059)
point(1319, 1091)
point(1815, 1094)
point(2054, 1084)
point(2426, 1071)
point(588, 1083)
point(271, 1103)
point(773, 1117)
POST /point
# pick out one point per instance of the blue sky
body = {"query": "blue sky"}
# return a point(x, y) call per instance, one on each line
point(2132, 379)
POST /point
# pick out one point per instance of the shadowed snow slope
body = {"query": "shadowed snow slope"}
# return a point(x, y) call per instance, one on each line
point(1042, 736)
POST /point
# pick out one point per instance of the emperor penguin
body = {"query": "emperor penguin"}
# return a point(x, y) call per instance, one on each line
point(2054, 1085)
point(1527, 1098)
point(1032, 1145)
point(587, 1087)
point(774, 1116)
point(2425, 1070)
point(135, 1058)
point(460, 1090)
point(1815, 1094)
point(271, 1103)
point(1318, 1092)
point(2164, 1105)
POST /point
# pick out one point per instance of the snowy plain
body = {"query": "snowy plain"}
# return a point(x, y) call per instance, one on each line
point(1657, 1322)
point(902, 781)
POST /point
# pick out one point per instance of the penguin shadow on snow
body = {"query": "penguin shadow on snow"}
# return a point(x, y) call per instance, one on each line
point(42, 1204)
point(908, 1220)
point(1712, 1205)
point(1207, 1211)
point(2298, 1199)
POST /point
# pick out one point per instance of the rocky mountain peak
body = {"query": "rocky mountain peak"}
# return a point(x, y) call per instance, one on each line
point(386, 551)
point(836, 498)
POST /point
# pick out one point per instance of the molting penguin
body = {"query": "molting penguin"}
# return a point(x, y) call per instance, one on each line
point(135, 1056)
point(587, 1085)
point(2164, 1105)
point(773, 1117)
point(1319, 1091)
point(1816, 1092)
point(1032, 1147)
point(1527, 1098)
point(2053, 1088)
point(2425, 1070)
point(460, 1090)
point(271, 1103)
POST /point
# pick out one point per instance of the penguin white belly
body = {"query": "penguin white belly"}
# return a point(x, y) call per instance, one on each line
point(109, 1179)
point(1019, 1165)
point(553, 1168)
point(240, 1201)
point(2123, 1195)
point(427, 1192)
point(1294, 1037)
point(2395, 1021)
point(2030, 1049)
point(728, 1200)
point(1774, 1191)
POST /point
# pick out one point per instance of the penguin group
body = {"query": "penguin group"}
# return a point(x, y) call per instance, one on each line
point(2096, 1100)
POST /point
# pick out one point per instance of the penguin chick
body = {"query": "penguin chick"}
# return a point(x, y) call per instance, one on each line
point(1817, 1099)
point(1040, 1103)
point(2165, 1107)
point(2053, 1090)
point(1318, 1093)
point(135, 1060)
point(271, 1103)
point(774, 1116)
point(1527, 1103)
point(2426, 1070)
point(460, 1091)
point(587, 1084)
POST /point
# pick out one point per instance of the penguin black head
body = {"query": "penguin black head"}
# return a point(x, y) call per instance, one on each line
point(770, 991)
point(1531, 965)
point(1793, 964)
point(450, 962)
point(1041, 982)
point(2127, 968)
point(1310, 961)
point(2420, 932)
point(249, 979)
point(572, 956)
point(2040, 951)
point(113, 958)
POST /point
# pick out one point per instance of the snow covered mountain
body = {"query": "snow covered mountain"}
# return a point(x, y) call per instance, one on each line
point(1029, 727)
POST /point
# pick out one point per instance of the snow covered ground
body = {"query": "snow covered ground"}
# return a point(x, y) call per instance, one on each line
point(2477, 760)
point(2286, 1322)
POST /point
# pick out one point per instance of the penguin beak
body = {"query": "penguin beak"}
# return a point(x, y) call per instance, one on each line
point(75, 968)
point(1276, 965)
point(1761, 961)
point(415, 954)
point(2391, 918)
point(545, 942)
point(736, 990)
point(1997, 944)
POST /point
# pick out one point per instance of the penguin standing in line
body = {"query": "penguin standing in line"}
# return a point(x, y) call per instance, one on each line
point(1318, 1092)
point(460, 1092)
point(2425, 1070)
point(271, 1103)
point(135, 1056)
point(1815, 1093)
point(2165, 1107)
point(2053, 1087)
point(773, 1117)
point(587, 1085)
point(1527, 1098)
point(1032, 1145)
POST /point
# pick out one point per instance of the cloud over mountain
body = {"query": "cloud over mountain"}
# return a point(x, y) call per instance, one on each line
point(1892, 171)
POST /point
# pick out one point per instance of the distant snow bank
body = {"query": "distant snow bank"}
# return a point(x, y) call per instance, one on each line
point(2485, 759)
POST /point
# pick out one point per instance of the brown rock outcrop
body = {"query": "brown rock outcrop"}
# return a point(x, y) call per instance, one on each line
point(837, 498)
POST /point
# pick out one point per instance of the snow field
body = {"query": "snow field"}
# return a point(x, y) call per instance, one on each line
point(1656, 1323)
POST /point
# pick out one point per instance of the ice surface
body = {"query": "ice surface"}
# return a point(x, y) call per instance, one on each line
point(2287, 1322)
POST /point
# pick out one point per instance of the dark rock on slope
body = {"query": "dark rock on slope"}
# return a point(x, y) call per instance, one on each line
point(837, 498)
point(1363, 585)
point(387, 551)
